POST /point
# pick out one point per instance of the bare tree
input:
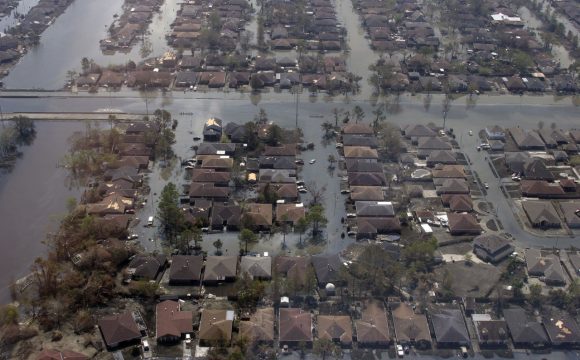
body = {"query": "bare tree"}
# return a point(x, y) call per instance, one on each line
point(317, 192)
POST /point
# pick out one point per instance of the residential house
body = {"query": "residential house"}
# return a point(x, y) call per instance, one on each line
point(451, 186)
point(287, 191)
point(221, 163)
point(328, 269)
point(515, 161)
point(171, 323)
point(546, 266)
point(366, 193)
point(524, 332)
point(360, 140)
point(418, 131)
point(411, 328)
point(449, 171)
point(283, 176)
point(426, 145)
point(356, 165)
point(360, 152)
point(257, 267)
point(185, 269)
point(293, 268)
point(541, 189)
point(226, 216)
point(212, 130)
point(372, 329)
point(541, 214)
point(370, 227)
point(457, 202)
point(571, 213)
point(367, 179)
point(446, 157)
point(336, 328)
point(217, 178)
point(357, 129)
point(280, 150)
point(495, 133)
point(220, 269)
point(294, 327)
point(278, 162)
point(490, 333)
point(492, 248)
point(119, 330)
point(289, 213)
point(146, 267)
point(463, 224)
point(449, 328)
point(563, 330)
point(216, 149)
point(527, 140)
point(260, 327)
point(215, 326)
point(259, 216)
point(208, 191)
point(535, 169)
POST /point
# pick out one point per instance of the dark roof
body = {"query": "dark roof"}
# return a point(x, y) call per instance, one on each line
point(546, 265)
point(522, 330)
point(171, 321)
point(367, 179)
point(327, 268)
point(374, 208)
point(535, 169)
point(119, 328)
point(561, 328)
point(491, 243)
point(409, 325)
point(147, 266)
point(359, 140)
point(419, 131)
point(541, 212)
point(51, 354)
point(449, 327)
point(357, 129)
point(295, 325)
point(491, 331)
point(230, 214)
point(463, 223)
point(185, 268)
point(355, 165)
point(207, 148)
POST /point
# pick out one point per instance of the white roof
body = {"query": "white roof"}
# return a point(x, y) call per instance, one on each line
point(504, 17)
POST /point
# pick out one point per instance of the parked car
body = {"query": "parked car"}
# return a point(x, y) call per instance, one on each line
point(400, 351)
point(312, 161)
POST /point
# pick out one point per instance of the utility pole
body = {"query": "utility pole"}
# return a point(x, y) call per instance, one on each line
point(297, 100)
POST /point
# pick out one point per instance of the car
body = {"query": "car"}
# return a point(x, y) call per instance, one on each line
point(302, 190)
point(339, 145)
point(470, 133)
point(478, 148)
point(189, 167)
point(486, 185)
point(350, 215)
point(312, 161)
point(299, 182)
point(188, 341)
point(132, 236)
point(196, 138)
point(400, 351)
point(205, 229)
point(345, 191)
point(351, 233)
point(299, 162)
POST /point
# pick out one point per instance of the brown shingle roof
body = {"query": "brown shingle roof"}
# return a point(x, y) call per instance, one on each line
point(372, 328)
point(216, 325)
point(120, 328)
point(335, 328)
point(295, 325)
point(171, 321)
point(463, 223)
point(260, 327)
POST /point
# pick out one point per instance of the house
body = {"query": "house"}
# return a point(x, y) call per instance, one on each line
point(411, 328)
point(490, 333)
point(535, 169)
point(257, 267)
point(457, 202)
point(226, 216)
point(287, 191)
point(427, 144)
point(212, 130)
point(370, 227)
point(449, 328)
point(293, 268)
point(171, 323)
point(185, 269)
point(336, 328)
point(295, 327)
point(524, 332)
point(541, 214)
point(571, 213)
point(527, 140)
point(221, 163)
point(449, 171)
point(451, 186)
point(562, 329)
point(418, 131)
point(360, 152)
point(146, 267)
point(220, 269)
point(327, 268)
point(259, 216)
point(356, 165)
point(463, 224)
point(374, 209)
point(216, 149)
point(357, 129)
point(278, 162)
point(541, 189)
point(515, 161)
point(446, 157)
point(218, 178)
point(52, 354)
point(215, 326)
point(260, 327)
point(281, 150)
point(492, 248)
point(367, 179)
point(360, 140)
point(208, 191)
point(546, 266)
point(289, 213)
point(372, 329)
point(119, 330)
point(235, 132)
point(110, 205)
point(282, 176)
point(366, 193)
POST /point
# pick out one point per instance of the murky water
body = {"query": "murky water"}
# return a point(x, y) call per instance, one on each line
point(83, 24)
point(32, 199)
point(11, 19)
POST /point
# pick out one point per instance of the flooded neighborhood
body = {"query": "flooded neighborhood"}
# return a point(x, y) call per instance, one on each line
point(315, 179)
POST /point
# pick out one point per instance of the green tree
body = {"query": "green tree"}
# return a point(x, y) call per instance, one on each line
point(316, 219)
point(301, 226)
point(325, 347)
point(327, 127)
point(170, 215)
point(218, 244)
point(359, 114)
point(24, 127)
point(247, 236)
point(535, 296)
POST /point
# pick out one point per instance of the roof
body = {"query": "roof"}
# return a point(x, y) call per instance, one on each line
point(218, 268)
point(295, 325)
point(290, 212)
point(277, 175)
point(367, 179)
point(522, 329)
point(207, 148)
point(433, 143)
point(561, 328)
point(535, 168)
point(373, 327)
point(491, 243)
point(52, 354)
point(374, 208)
point(360, 140)
point(449, 171)
point(419, 130)
point(458, 202)
point(185, 268)
point(569, 210)
point(334, 327)
point(355, 165)
point(540, 188)
point(449, 327)
point(260, 327)
point(281, 150)
point(216, 325)
point(208, 190)
point(147, 266)
point(442, 157)
point(366, 193)
point(293, 267)
point(357, 129)
point(491, 331)
point(260, 214)
point(541, 212)
point(327, 268)
point(171, 321)
point(463, 223)
point(257, 266)
point(409, 326)
point(453, 186)
point(210, 176)
point(526, 139)
point(360, 152)
point(229, 214)
point(119, 328)
point(371, 226)
point(546, 265)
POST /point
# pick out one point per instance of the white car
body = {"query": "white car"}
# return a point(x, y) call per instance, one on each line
point(470, 133)
point(312, 161)
point(400, 351)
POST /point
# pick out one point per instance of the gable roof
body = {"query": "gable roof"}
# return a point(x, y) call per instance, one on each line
point(366, 193)
point(441, 157)
point(257, 266)
point(541, 212)
point(171, 321)
point(449, 327)
point(260, 327)
point(540, 188)
point(561, 328)
point(357, 129)
point(491, 243)
point(218, 268)
point(545, 265)
point(290, 212)
point(119, 328)
point(230, 214)
point(367, 179)
point(373, 327)
point(356, 165)
point(526, 139)
point(433, 143)
point(449, 171)
point(260, 214)
point(535, 168)
point(295, 325)
point(293, 267)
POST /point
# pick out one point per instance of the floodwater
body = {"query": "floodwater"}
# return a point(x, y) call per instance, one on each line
point(11, 19)
point(32, 199)
point(76, 34)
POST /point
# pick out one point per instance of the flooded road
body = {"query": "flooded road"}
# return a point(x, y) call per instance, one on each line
point(32, 199)
point(83, 24)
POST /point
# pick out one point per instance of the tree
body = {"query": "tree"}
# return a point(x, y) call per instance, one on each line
point(379, 117)
point(316, 218)
point(247, 236)
point(336, 113)
point(249, 292)
point(197, 238)
point(169, 213)
point(541, 125)
point(25, 129)
point(85, 65)
point(390, 138)
point(327, 127)
point(359, 114)
point(331, 161)
point(218, 246)
point(316, 192)
point(274, 135)
point(535, 295)
point(301, 227)
point(325, 347)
